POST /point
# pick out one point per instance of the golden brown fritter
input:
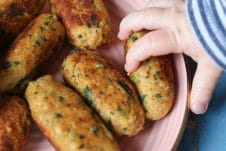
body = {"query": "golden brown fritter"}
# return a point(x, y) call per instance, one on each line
point(87, 22)
point(154, 81)
point(15, 15)
point(15, 123)
point(32, 48)
point(106, 90)
point(65, 119)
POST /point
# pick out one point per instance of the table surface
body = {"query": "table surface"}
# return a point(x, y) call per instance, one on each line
point(207, 132)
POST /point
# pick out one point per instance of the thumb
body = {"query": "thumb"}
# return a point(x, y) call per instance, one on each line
point(205, 80)
point(154, 43)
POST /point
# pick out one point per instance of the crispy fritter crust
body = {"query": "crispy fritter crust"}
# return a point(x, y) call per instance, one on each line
point(65, 119)
point(87, 22)
point(15, 15)
point(106, 90)
point(15, 123)
point(154, 81)
point(32, 48)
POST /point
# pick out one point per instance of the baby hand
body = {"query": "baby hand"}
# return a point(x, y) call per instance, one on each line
point(170, 32)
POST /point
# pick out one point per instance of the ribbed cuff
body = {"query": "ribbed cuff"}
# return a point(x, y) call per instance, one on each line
point(207, 20)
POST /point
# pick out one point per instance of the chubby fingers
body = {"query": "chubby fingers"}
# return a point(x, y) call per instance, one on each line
point(149, 18)
point(154, 43)
point(205, 80)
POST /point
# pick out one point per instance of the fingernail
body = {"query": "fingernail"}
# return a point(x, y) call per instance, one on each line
point(125, 66)
point(199, 107)
point(119, 36)
point(126, 70)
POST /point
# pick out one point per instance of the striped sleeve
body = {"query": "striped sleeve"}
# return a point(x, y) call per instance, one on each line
point(208, 19)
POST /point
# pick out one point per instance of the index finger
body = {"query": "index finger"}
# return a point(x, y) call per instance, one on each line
point(149, 19)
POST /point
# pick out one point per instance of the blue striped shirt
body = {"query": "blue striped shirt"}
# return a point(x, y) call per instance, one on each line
point(208, 19)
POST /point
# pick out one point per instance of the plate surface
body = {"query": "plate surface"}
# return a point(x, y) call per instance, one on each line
point(161, 135)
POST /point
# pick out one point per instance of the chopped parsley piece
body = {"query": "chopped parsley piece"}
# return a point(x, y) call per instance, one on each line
point(95, 131)
point(112, 113)
point(61, 99)
point(58, 115)
point(50, 17)
point(124, 129)
point(133, 38)
point(147, 62)
point(46, 23)
point(158, 73)
point(16, 62)
point(100, 66)
point(41, 28)
point(37, 42)
point(88, 95)
point(142, 97)
point(158, 95)
point(6, 65)
point(133, 78)
point(80, 36)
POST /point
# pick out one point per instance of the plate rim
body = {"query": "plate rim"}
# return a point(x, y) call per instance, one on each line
point(186, 113)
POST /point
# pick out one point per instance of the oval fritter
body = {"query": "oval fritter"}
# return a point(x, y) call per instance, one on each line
point(65, 119)
point(154, 81)
point(15, 123)
point(32, 48)
point(15, 15)
point(87, 22)
point(106, 90)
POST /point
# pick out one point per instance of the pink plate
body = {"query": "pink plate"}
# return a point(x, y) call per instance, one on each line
point(162, 135)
